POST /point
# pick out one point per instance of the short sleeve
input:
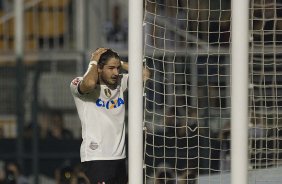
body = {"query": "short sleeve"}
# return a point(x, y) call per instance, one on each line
point(74, 86)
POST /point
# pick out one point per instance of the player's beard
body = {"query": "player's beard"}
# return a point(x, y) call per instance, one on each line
point(111, 81)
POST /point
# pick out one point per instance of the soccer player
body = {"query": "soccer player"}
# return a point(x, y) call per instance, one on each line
point(99, 100)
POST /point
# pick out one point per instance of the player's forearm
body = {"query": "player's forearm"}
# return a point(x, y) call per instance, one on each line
point(90, 79)
point(124, 65)
point(146, 72)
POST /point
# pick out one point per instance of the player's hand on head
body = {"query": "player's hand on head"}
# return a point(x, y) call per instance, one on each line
point(97, 54)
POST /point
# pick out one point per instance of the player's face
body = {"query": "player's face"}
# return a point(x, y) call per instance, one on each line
point(110, 72)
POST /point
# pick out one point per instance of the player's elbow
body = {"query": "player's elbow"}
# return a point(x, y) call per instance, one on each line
point(87, 85)
point(146, 74)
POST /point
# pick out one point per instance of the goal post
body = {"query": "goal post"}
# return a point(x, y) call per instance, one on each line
point(239, 91)
point(135, 97)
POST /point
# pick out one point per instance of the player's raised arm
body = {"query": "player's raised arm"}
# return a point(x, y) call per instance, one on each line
point(146, 72)
point(90, 78)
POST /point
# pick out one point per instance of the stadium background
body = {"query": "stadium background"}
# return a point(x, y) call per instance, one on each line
point(59, 36)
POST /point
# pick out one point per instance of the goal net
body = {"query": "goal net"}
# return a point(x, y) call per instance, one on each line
point(187, 98)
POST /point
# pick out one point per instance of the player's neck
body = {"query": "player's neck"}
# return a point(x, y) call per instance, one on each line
point(111, 86)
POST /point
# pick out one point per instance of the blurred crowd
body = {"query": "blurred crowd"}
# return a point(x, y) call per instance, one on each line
point(51, 125)
point(11, 173)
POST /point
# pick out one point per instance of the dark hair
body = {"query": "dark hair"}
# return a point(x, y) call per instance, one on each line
point(106, 56)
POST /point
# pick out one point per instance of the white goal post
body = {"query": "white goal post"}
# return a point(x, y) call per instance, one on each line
point(239, 91)
point(135, 97)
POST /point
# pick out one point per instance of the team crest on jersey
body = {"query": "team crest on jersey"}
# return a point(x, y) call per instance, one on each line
point(107, 92)
point(75, 81)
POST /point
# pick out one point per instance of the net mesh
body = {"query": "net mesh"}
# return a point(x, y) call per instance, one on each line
point(265, 79)
point(187, 98)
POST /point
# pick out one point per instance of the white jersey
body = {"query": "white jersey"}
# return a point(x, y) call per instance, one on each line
point(102, 114)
